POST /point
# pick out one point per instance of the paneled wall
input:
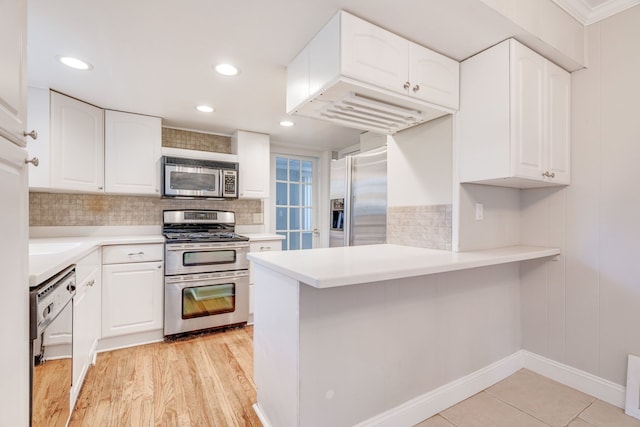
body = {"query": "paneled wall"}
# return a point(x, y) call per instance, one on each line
point(584, 309)
point(62, 209)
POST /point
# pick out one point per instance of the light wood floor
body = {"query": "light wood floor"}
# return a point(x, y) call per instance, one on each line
point(203, 381)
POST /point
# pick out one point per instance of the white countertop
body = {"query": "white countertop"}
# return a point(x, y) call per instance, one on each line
point(47, 256)
point(331, 267)
point(263, 236)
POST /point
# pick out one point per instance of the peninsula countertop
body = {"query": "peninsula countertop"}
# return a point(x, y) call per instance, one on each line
point(331, 267)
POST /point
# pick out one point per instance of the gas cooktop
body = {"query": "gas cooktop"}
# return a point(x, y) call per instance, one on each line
point(184, 226)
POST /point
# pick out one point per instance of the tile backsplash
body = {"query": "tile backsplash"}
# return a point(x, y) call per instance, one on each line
point(71, 209)
point(420, 226)
point(178, 138)
point(56, 209)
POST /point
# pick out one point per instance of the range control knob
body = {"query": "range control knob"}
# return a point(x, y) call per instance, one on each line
point(47, 310)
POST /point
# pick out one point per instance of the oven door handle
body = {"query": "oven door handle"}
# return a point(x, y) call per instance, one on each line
point(190, 248)
point(190, 278)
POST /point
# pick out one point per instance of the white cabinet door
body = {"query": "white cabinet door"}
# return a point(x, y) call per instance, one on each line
point(132, 298)
point(253, 159)
point(260, 246)
point(132, 153)
point(77, 145)
point(14, 305)
point(558, 129)
point(39, 119)
point(527, 114)
point(86, 329)
point(434, 78)
point(13, 63)
point(374, 55)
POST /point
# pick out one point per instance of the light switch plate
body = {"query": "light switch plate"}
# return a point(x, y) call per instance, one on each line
point(479, 212)
point(258, 218)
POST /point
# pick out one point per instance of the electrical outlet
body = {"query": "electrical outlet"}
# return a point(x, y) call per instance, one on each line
point(479, 212)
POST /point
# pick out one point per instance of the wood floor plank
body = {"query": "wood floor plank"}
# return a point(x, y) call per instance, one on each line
point(201, 381)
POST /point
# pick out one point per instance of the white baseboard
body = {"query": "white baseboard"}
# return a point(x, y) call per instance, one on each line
point(261, 416)
point(435, 401)
point(585, 382)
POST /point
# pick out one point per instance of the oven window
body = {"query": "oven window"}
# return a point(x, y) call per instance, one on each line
point(223, 256)
point(193, 181)
point(208, 300)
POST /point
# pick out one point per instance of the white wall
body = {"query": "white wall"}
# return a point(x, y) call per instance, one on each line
point(419, 163)
point(584, 310)
point(548, 29)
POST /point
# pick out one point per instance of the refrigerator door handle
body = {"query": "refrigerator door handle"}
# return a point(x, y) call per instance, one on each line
point(347, 202)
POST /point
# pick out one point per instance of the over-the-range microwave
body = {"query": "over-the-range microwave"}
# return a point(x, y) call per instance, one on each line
point(199, 178)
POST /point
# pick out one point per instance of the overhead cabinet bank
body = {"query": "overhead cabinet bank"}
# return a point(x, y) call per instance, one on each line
point(83, 148)
point(359, 75)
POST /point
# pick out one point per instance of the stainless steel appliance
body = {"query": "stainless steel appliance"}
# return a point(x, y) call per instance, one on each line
point(191, 178)
point(206, 271)
point(51, 334)
point(359, 199)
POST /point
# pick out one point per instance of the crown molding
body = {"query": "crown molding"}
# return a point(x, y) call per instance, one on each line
point(588, 15)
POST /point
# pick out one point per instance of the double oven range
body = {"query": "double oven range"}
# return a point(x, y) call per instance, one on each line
point(206, 283)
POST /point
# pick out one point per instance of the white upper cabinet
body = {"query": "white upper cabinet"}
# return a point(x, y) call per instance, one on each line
point(77, 145)
point(433, 77)
point(359, 75)
point(253, 160)
point(13, 63)
point(374, 55)
point(514, 119)
point(132, 153)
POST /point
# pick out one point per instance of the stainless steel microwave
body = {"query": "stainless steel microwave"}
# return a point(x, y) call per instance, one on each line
point(199, 178)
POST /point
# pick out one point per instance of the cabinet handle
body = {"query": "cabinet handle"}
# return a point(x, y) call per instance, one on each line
point(549, 175)
point(33, 134)
point(91, 282)
point(35, 162)
point(416, 88)
point(407, 85)
point(265, 248)
point(100, 188)
point(136, 253)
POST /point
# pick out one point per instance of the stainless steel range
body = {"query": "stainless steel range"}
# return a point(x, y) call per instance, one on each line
point(206, 271)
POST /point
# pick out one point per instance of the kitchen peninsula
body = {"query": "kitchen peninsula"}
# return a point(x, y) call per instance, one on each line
point(369, 335)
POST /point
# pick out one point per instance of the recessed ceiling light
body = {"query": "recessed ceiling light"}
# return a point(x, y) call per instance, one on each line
point(205, 109)
point(226, 70)
point(75, 63)
point(286, 123)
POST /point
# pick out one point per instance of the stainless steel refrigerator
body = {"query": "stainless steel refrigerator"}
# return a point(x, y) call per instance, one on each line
point(358, 194)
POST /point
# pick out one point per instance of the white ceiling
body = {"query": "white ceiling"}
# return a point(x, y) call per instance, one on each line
point(156, 56)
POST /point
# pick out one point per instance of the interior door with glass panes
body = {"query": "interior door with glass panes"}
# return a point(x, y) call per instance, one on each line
point(295, 200)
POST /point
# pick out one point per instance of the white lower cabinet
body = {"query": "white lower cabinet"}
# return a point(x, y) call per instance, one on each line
point(259, 246)
point(86, 318)
point(132, 289)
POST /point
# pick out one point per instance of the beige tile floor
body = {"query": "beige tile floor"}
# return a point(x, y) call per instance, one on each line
point(526, 399)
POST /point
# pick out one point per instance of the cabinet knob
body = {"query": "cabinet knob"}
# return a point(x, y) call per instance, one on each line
point(407, 85)
point(35, 162)
point(416, 88)
point(33, 134)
